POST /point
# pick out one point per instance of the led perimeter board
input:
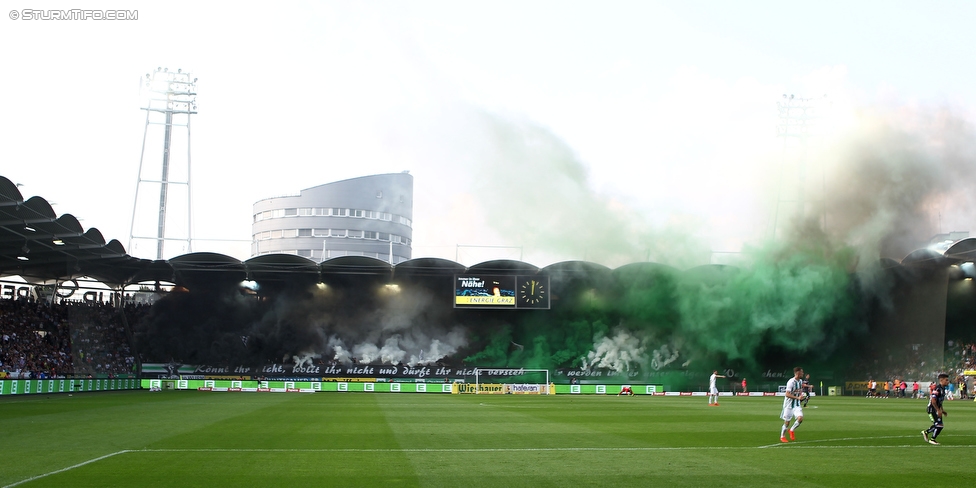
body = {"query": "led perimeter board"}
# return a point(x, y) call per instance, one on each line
point(501, 292)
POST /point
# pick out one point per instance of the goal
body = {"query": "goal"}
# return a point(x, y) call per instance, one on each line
point(513, 381)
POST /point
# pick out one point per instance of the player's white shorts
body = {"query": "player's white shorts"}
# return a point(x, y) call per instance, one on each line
point(790, 412)
point(713, 391)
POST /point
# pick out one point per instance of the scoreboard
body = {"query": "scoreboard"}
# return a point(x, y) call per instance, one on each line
point(501, 291)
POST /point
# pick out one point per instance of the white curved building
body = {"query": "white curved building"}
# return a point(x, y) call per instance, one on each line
point(367, 216)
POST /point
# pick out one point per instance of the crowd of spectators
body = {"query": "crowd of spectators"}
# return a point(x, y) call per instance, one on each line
point(69, 339)
point(959, 357)
point(909, 365)
point(99, 341)
point(34, 340)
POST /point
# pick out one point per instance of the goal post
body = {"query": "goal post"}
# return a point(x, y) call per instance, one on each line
point(513, 381)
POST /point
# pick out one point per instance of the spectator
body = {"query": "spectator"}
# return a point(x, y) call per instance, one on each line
point(41, 340)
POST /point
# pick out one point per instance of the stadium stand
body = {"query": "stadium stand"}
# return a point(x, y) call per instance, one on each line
point(43, 340)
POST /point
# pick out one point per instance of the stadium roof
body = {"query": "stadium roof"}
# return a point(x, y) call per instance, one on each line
point(43, 248)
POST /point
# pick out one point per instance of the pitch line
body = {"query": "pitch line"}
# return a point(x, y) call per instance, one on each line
point(500, 449)
point(527, 449)
point(837, 439)
point(32, 478)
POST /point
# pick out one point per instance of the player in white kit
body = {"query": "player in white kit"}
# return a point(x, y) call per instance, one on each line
point(712, 389)
point(792, 405)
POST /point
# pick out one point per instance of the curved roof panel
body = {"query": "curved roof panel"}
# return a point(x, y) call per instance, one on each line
point(146, 270)
point(356, 265)
point(9, 192)
point(926, 257)
point(41, 247)
point(282, 268)
point(207, 270)
point(963, 250)
point(503, 266)
point(427, 267)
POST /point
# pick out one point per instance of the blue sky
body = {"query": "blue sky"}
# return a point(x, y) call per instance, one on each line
point(660, 113)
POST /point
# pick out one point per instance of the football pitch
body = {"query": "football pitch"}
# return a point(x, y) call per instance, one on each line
point(205, 439)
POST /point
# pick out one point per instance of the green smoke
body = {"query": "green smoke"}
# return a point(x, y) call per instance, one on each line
point(783, 300)
point(786, 301)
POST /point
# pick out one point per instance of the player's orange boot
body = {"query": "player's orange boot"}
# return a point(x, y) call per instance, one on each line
point(792, 436)
point(783, 439)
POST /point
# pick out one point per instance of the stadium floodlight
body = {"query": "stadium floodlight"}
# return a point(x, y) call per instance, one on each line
point(171, 94)
point(798, 118)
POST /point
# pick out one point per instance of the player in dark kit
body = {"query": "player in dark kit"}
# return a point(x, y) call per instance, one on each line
point(807, 390)
point(935, 410)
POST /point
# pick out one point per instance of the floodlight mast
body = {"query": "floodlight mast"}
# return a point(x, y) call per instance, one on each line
point(797, 118)
point(170, 94)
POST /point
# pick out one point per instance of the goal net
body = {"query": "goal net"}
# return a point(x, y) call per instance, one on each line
point(512, 381)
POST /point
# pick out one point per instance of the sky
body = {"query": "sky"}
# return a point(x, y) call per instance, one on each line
point(544, 131)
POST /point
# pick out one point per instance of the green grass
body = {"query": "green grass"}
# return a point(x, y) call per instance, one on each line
point(213, 440)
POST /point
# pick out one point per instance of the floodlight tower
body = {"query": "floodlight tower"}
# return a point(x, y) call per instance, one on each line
point(796, 122)
point(170, 101)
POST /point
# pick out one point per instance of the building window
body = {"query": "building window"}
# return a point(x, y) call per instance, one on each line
point(305, 253)
point(338, 233)
point(383, 236)
point(291, 212)
point(305, 212)
point(276, 234)
point(356, 213)
point(339, 212)
point(369, 234)
point(356, 234)
point(320, 232)
point(304, 232)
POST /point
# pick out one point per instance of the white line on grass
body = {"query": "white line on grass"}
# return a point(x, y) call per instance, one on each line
point(32, 478)
point(838, 439)
point(909, 446)
point(501, 449)
point(513, 449)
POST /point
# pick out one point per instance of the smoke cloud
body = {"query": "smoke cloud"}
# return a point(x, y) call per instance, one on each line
point(887, 186)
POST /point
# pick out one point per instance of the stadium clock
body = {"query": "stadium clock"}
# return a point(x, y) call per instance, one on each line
point(533, 292)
